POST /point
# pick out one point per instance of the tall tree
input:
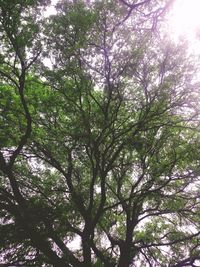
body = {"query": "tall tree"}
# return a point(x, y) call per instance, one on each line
point(99, 150)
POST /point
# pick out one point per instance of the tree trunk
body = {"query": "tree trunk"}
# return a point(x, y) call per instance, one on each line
point(124, 260)
point(86, 252)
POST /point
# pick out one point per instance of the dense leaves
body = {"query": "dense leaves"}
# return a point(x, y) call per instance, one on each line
point(99, 149)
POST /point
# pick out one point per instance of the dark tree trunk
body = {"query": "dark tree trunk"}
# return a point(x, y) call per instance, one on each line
point(86, 251)
point(125, 252)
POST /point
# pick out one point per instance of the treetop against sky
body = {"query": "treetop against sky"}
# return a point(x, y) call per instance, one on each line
point(99, 135)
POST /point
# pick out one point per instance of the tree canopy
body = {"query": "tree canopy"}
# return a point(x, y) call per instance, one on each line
point(99, 137)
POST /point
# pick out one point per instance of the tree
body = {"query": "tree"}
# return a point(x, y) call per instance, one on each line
point(100, 148)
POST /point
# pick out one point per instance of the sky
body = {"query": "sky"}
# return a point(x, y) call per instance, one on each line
point(186, 17)
point(184, 21)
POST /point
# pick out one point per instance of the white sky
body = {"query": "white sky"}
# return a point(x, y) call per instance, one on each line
point(186, 17)
point(184, 22)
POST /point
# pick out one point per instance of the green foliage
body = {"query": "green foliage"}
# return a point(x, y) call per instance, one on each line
point(99, 151)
